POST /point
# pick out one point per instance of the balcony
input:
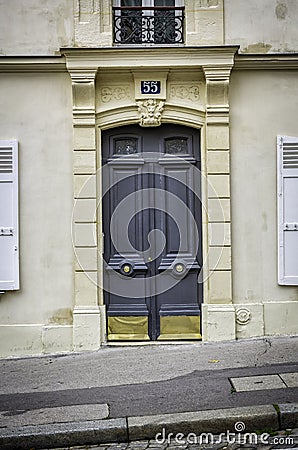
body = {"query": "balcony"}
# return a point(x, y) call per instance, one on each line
point(148, 25)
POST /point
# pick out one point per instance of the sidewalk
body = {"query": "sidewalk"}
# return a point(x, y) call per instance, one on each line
point(132, 392)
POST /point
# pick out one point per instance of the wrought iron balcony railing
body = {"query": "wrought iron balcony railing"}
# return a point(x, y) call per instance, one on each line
point(148, 25)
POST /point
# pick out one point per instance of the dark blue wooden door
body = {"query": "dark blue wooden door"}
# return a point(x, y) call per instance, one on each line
point(152, 232)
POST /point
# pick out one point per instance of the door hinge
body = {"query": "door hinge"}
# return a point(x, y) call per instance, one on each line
point(6, 231)
point(291, 226)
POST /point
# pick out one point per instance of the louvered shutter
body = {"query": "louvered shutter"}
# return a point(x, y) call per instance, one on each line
point(9, 254)
point(287, 150)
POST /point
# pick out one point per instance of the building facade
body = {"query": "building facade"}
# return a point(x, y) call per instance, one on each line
point(148, 172)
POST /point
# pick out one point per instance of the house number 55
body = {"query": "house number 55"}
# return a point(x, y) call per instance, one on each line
point(150, 87)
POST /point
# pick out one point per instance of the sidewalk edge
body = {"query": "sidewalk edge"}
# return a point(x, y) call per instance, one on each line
point(261, 418)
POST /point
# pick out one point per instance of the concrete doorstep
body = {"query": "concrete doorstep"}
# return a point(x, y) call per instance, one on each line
point(259, 419)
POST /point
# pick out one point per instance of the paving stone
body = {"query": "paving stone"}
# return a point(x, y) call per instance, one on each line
point(173, 444)
point(194, 446)
point(96, 447)
point(283, 444)
point(140, 445)
point(256, 383)
point(288, 415)
point(157, 444)
point(263, 447)
point(117, 446)
point(60, 414)
point(249, 447)
point(177, 447)
point(157, 447)
point(216, 446)
point(291, 379)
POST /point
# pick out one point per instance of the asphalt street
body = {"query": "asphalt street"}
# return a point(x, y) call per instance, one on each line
point(198, 390)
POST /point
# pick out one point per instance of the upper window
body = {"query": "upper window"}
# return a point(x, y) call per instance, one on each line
point(148, 22)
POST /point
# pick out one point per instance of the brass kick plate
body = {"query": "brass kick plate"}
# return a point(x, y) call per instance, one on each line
point(179, 327)
point(128, 328)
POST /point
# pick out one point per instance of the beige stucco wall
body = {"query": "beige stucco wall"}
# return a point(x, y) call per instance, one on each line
point(30, 27)
point(261, 26)
point(263, 104)
point(35, 109)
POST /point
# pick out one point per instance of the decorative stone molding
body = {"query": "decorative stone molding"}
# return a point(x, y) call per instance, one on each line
point(217, 146)
point(9, 64)
point(217, 83)
point(190, 92)
point(139, 65)
point(243, 315)
point(150, 112)
point(116, 93)
point(271, 61)
point(83, 87)
point(86, 313)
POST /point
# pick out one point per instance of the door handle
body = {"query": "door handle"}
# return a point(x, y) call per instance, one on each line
point(179, 269)
point(127, 268)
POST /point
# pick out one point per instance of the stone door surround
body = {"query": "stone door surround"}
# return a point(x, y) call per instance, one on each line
point(204, 105)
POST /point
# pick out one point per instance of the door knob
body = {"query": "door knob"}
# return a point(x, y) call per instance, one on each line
point(126, 268)
point(179, 269)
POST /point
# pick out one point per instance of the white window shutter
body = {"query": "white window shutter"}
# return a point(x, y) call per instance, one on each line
point(287, 151)
point(9, 247)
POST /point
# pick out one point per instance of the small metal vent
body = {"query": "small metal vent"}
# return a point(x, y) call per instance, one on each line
point(290, 155)
point(6, 160)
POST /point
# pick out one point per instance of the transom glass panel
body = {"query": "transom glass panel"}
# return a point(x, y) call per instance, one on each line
point(177, 145)
point(125, 146)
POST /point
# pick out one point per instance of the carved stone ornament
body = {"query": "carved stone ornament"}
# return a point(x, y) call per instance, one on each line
point(208, 3)
point(185, 92)
point(150, 112)
point(243, 316)
point(114, 93)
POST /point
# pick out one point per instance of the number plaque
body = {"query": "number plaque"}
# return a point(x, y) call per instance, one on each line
point(150, 87)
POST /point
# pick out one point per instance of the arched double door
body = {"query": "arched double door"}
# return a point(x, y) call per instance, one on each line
point(152, 232)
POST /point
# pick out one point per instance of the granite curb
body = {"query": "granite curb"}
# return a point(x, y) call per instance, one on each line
point(64, 434)
point(262, 418)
